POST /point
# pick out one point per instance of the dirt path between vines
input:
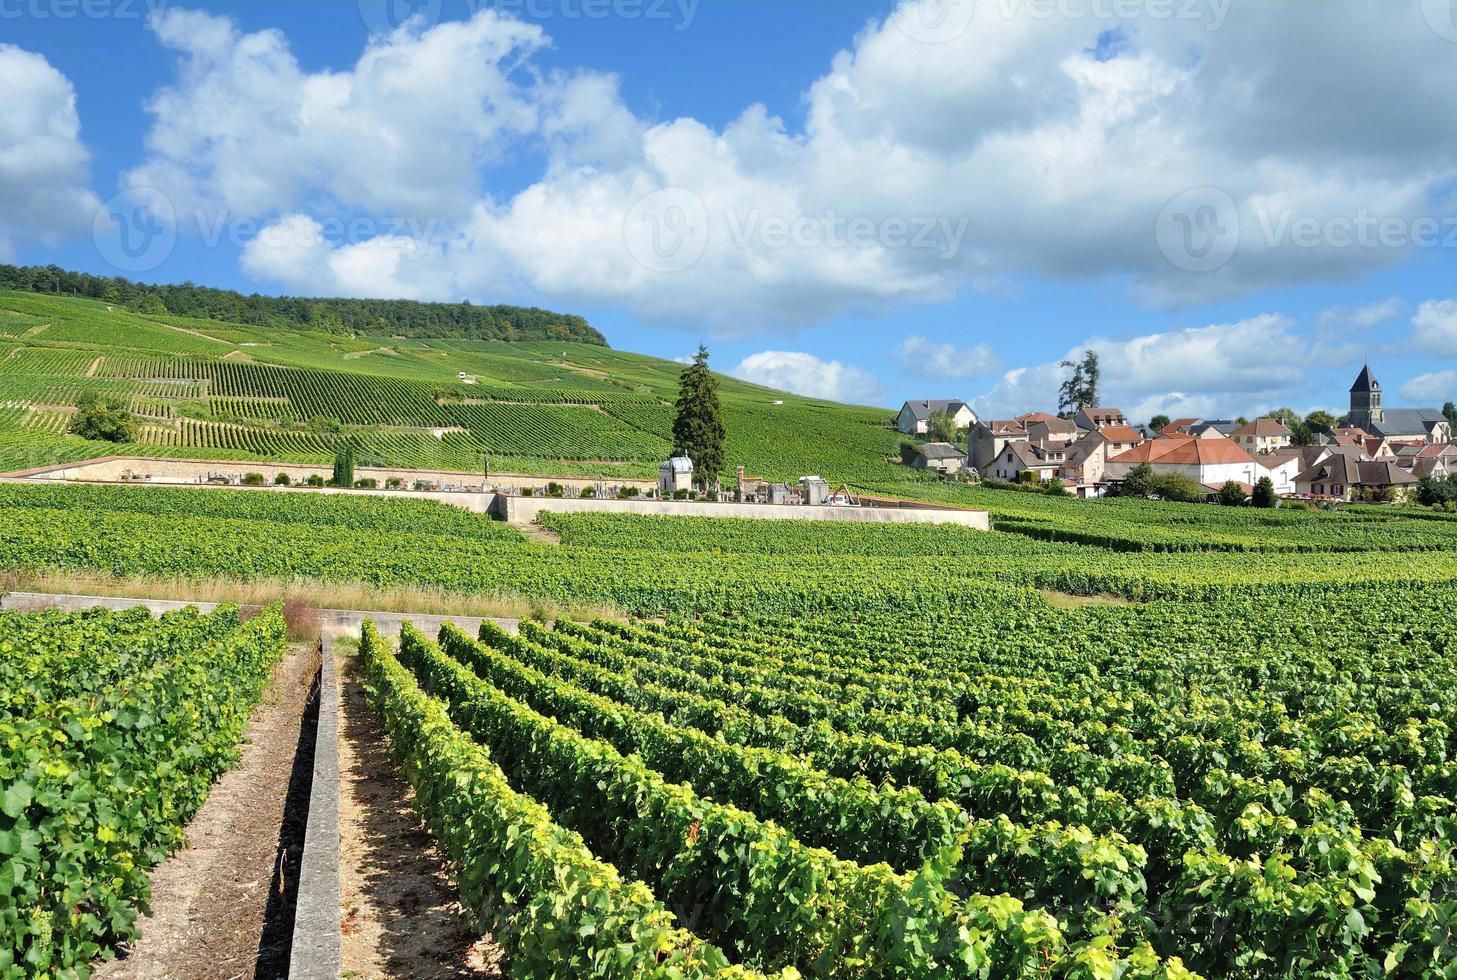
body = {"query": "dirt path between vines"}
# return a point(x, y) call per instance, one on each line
point(400, 914)
point(221, 908)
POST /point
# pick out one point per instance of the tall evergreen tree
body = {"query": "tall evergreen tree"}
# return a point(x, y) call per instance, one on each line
point(344, 466)
point(698, 430)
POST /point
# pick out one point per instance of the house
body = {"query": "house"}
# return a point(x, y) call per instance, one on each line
point(1090, 418)
point(1437, 461)
point(1212, 461)
point(1343, 477)
point(675, 474)
point(915, 416)
point(1086, 460)
point(1262, 436)
point(1178, 426)
point(988, 439)
point(939, 456)
point(1425, 426)
point(1043, 428)
point(1023, 457)
point(1282, 466)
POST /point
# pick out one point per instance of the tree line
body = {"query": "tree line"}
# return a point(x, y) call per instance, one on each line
point(377, 317)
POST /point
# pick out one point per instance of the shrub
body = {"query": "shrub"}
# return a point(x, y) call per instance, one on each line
point(315, 480)
point(103, 420)
point(253, 480)
point(282, 480)
point(366, 484)
point(1055, 488)
point(1232, 494)
point(1265, 495)
point(1433, 492)
point(627, 493)
point(589, 492)
point(555, 490)
point(394, 483)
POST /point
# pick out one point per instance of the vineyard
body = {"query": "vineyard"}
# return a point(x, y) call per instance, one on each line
point(115, 727)
point(210, 390)
point(798, 791)
point(836, 751)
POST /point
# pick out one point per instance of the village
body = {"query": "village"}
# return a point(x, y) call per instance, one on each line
point(1374, 453)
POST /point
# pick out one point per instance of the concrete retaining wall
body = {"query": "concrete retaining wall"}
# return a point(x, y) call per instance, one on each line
point(521, 511)
point(317, 952)
point(185, 472)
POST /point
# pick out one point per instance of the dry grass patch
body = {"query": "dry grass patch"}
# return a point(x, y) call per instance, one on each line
point(303, 599)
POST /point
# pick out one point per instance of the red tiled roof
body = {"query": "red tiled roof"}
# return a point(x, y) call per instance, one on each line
point(1263, 427)
point(1120, 433)
point(1185, 451)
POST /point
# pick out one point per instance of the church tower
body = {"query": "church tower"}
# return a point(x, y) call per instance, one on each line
point(1366, 399)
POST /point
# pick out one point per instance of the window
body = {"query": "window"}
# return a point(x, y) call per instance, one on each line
point(1335, 489)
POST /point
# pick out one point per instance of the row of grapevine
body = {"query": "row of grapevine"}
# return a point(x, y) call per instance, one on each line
point(752, 888)
point(115, 729)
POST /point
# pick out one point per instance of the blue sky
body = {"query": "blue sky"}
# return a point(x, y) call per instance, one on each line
point(863, 200)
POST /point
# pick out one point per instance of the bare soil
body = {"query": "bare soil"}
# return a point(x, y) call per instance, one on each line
point(222, 906)
point(400, 914)
point(1066, 600)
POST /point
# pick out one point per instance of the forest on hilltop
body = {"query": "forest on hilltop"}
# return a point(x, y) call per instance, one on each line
point(380, 317)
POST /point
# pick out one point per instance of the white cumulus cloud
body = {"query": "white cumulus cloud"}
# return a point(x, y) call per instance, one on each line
point(1200, 371)
point(1435, 326)
point(804, 374)
point(1433, 388)
point(930, 359)
point(44, 167)
point(1022, 146)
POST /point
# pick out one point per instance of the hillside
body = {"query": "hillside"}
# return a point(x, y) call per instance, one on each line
point(395, 317)
point(210, 390)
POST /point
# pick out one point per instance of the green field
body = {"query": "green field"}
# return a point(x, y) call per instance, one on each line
point(888, 751)
point(210, 390)
point(1107, 739)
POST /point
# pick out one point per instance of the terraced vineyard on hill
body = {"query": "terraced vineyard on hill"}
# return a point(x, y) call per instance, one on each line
point(211, 390)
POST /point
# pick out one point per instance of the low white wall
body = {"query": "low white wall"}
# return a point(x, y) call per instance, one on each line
point(189, 472)
point(524, 510)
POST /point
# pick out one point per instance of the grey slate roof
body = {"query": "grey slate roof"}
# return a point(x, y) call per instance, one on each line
point(1396, 422)
point(925, 408)
point(940, 450)
point(1224, 427)
point(1366, 381)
